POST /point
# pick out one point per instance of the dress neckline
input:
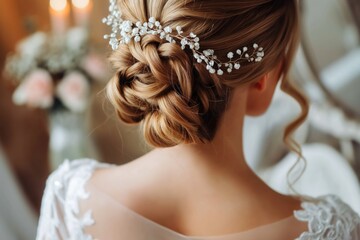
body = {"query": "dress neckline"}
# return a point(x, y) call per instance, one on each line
point(184, 236)
point(174, 232)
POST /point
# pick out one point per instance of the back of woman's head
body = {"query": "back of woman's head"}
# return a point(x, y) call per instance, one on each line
point(176, 98)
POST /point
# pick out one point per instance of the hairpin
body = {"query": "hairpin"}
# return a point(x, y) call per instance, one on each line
point(129, 31)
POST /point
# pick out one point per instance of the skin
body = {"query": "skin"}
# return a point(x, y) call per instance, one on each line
point(204, 189)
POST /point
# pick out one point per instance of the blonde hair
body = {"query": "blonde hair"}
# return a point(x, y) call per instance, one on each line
point(176, 99)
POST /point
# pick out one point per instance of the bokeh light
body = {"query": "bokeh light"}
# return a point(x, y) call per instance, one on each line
point(81, 3)
point(58, 5)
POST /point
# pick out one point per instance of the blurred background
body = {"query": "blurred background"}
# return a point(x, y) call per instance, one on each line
point(53, 106)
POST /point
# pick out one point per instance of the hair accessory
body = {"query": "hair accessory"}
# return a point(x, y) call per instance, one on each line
point(128, 30)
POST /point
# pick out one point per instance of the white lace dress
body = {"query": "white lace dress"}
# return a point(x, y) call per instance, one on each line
point(64, 217)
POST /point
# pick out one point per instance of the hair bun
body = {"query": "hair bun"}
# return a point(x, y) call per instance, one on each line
point(154, 83)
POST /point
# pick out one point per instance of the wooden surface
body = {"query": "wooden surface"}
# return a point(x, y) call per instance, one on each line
point(24, 137)
point(23, 132)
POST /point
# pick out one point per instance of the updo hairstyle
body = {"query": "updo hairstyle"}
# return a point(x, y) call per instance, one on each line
point(175, 98)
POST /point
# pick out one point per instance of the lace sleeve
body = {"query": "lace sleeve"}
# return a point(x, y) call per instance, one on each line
point(59, 214)
point(329, 218)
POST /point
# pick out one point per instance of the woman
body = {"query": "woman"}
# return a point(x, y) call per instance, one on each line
point(190, 71)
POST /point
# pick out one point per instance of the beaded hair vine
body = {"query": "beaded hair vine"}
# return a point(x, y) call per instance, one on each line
point(128, 30)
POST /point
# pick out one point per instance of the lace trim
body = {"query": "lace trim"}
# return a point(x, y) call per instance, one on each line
point(68, 188)
point(328, 219)
point(75, 193)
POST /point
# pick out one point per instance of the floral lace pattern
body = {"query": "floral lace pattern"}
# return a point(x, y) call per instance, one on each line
point(328, 219)
point(60, 204)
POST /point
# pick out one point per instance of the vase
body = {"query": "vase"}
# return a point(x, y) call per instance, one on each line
point(69, 137)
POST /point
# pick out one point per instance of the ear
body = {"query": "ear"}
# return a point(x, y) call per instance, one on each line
point(260, 94)
point(260, 85)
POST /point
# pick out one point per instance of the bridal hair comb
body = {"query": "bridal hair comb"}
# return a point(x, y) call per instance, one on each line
point(128, 30)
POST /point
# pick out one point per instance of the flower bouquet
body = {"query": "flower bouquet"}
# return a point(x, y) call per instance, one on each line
point(56, 73)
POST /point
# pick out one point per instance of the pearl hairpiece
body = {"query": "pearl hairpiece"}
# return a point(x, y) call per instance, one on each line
point(129, 30)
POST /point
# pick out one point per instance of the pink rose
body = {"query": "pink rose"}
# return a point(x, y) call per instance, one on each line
point(96, 67)
point(74, 91)
point(36, 90)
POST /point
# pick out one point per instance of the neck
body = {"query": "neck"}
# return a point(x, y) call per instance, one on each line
point(224, 154)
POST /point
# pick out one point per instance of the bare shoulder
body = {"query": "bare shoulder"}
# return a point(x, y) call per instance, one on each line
point(161, 187)
point(138, 184)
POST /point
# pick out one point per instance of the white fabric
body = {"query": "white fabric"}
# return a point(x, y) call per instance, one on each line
point(71, 209)
point(17, 218)
point(327, 172)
